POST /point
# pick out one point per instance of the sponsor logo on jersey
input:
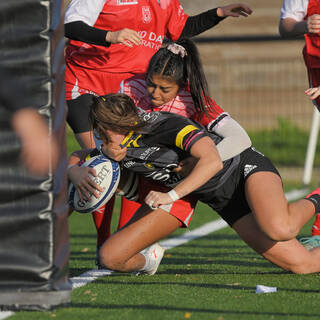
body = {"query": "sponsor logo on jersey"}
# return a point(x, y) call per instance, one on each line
point(151, 40)
point(152, 116)
point(146, 14)
point(248, 168)
point(129, 164)
point(147, 153)
point(126, 2)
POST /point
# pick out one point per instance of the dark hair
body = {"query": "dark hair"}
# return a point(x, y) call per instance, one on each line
point(184, 71)
point(116, 112)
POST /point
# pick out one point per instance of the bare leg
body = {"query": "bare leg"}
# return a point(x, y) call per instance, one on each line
point(279, 219)
point(289, 255)
point(121, 251)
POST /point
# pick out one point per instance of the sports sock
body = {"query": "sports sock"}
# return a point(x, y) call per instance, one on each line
point(316, 226)
point(315, 199)
point(149, 262)
point(102, 220)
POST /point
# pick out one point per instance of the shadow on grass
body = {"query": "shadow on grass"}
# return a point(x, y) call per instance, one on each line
point(209, 311)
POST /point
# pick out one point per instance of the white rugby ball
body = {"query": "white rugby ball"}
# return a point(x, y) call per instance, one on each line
point(108, 176)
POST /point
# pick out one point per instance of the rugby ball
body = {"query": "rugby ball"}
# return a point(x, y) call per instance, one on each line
point(108, 176)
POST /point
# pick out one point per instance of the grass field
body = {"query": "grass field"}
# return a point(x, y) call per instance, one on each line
point(213, 277)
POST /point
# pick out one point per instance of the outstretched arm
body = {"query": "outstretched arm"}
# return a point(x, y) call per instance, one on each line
point(78, 30)
point(208, 19)
point(80, 18)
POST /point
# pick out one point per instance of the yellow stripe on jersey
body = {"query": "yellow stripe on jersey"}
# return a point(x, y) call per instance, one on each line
point(132, 142)
point(182, 133)
point(124, 141)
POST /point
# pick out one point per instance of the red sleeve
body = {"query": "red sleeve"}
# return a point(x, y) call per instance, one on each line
point(176, 19)
point(213, 113)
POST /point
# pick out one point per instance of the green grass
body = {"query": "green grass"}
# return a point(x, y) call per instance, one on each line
point(285, 145)
point(213, 277)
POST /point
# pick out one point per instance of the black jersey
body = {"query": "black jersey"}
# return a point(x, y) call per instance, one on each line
point(166, 141)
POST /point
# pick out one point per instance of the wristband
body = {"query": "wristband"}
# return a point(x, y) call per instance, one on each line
point(173, 195)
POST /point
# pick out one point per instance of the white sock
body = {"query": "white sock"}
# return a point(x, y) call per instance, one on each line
point(149, 262)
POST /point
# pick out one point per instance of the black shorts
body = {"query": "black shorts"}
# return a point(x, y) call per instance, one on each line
point(78, 113)
point(229, 201)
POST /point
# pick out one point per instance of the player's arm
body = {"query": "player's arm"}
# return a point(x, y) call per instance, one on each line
point(179, 132)
point(39, 148)
point(290, 28)
point(313, 93)
point(80, 176)
point(199, 23)
point(80, 18)
point(209, 163)
point(235, 138)
point(80, 31)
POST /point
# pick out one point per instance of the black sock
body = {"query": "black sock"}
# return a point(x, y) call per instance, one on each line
point(315, 199)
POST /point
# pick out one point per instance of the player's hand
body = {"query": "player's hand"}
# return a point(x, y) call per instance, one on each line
point(186, 166)
point(313, 23)
point(125, 36)
point(84, 184)
point(234, 10)
point(154, 199)
point(114, 151)
point(313, 93)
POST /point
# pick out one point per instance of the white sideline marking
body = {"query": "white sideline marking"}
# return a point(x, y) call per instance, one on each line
point(5, 314)
point(297, 194)
point(194, 234)
point(207, 228)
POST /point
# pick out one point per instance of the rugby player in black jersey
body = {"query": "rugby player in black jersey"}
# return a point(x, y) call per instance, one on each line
point(246, 190)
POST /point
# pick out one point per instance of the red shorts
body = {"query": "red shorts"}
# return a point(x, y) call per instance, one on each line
point(79, 81)
point(314, 81)
point(182, 209)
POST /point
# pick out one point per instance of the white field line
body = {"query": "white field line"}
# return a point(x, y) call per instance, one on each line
point(210, 227)
point(5, 314)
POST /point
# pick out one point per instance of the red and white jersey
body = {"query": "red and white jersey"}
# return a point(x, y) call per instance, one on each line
point(182, 104)
point(312, 51)
point(152, 19)
point(300, 10)
point(295, 9)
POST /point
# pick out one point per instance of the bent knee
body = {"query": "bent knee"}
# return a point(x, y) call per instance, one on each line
point(110, 260)
point(301, 268)
point(281, 233)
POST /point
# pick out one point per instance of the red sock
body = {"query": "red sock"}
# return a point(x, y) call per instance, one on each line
point(128, 208)
point(102, 220)
point(316, 226)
